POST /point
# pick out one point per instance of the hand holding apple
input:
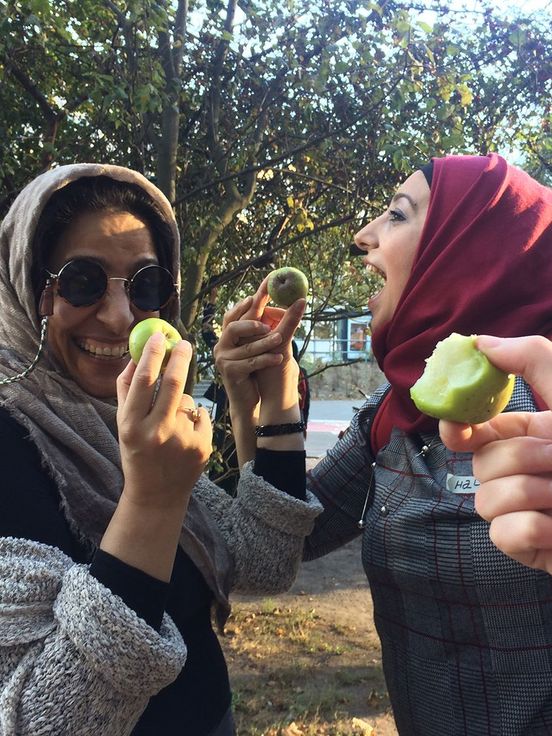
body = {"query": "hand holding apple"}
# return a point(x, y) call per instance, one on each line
point(512, 456)
point(164, 441)
point(460, 384)
point(142, 331)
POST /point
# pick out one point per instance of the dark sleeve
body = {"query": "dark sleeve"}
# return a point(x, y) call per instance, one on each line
point(284, 470)
point(146, 595)
point(30, 509)
point(29, 500)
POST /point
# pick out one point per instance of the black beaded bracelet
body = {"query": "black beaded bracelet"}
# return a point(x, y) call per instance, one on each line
point(274, 430)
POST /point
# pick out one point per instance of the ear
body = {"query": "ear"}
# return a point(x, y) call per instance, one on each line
point(46, 304)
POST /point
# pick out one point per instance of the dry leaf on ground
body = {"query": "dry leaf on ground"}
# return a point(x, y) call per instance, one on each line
point(292, 730)
point(367, 729)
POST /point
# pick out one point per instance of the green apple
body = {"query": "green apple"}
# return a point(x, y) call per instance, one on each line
point(143, 330)
point(459, 383)
point(286, 285)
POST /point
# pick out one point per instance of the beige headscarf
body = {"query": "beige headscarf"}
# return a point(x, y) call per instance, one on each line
point(76, 434)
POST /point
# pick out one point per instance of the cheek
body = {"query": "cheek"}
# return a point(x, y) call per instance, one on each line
point(63, 320)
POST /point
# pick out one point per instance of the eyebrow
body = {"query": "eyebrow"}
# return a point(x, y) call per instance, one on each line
point(398, 195)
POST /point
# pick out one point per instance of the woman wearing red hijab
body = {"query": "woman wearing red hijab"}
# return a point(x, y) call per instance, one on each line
point(466, 246)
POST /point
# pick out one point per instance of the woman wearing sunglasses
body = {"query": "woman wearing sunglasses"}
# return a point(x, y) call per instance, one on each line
point(114, 548)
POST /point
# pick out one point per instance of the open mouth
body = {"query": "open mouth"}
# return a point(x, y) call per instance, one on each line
point(105, 352)
point(378, 279)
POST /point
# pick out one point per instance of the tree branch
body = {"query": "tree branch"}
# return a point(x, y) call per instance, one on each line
point(266, 256)
point(269, 163)
point(29, 86)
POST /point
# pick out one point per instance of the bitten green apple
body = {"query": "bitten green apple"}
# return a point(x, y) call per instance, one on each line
point(459, 383)
point(286, 285)
point(147, 327)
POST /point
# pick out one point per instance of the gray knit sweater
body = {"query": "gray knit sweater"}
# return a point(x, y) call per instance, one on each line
point(75, 660)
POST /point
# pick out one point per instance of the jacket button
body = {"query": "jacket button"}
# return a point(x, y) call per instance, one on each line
point(384, 510)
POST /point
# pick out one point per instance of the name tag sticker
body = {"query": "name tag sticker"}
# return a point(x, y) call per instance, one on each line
point(462, 483)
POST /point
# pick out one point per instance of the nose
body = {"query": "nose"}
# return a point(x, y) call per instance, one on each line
point(366, 238)
point(114, 308)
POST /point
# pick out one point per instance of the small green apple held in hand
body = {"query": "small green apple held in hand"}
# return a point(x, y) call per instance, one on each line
point(286, 285)
point(460, 384)
point(142, 331)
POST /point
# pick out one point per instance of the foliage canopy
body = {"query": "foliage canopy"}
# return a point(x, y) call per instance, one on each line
point(275, 128)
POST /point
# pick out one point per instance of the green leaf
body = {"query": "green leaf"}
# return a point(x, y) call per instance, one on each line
point(466, 95)
point(425, 26)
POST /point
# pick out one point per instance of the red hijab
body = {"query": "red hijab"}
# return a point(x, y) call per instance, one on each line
point(483, 266)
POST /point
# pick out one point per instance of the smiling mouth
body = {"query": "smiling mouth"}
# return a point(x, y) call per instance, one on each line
point(104, 352)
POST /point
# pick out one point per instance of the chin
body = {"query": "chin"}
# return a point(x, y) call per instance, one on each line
point(98, 392)
point(98, 386)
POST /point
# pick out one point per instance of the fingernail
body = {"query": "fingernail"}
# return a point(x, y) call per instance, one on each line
point(488, 342)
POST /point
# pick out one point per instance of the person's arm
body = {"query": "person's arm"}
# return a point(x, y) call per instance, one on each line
point(255, 361)
point(72, 655)
point(163, 452)
point(30, 505)
point(513, 456)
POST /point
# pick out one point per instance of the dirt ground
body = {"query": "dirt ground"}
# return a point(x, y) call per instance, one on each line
point(309, 662)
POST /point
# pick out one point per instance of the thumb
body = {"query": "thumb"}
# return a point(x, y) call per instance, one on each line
point(529, 357)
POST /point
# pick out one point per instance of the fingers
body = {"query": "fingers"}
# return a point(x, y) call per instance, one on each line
point(260, 299)
point(197, 420)
point(530, 357)
point(291, 319)
point(466, 438)
point(515, 493)
point(237, 311)
point(526, 536)
point(137, 388)
point(237, 333)
point(469, 438)
point(236, 371)
point(531, 455)
point(169, 395)
point(124, 380)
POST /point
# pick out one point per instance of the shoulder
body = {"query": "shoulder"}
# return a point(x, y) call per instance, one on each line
point(368, 410)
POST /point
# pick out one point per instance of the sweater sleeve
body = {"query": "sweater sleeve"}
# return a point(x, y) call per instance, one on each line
point(72, 655)
point(146, 595)
point(265, 529)
point(30, 510)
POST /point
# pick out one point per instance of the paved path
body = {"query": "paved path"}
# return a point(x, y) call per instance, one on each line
point(326, 420)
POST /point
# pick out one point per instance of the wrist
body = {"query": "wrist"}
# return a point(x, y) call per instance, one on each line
point(283, 442)
point(278, 414)
point(144, 537)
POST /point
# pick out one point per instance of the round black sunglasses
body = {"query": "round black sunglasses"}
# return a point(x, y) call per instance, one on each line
point(83, 282)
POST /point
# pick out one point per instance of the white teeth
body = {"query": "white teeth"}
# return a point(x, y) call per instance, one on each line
point(115, 351)
point(376, 270)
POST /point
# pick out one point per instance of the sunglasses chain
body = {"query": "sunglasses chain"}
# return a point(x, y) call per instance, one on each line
point(25, 373)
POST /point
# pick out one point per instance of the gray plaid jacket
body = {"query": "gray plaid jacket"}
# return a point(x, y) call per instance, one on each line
point(466, 632)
